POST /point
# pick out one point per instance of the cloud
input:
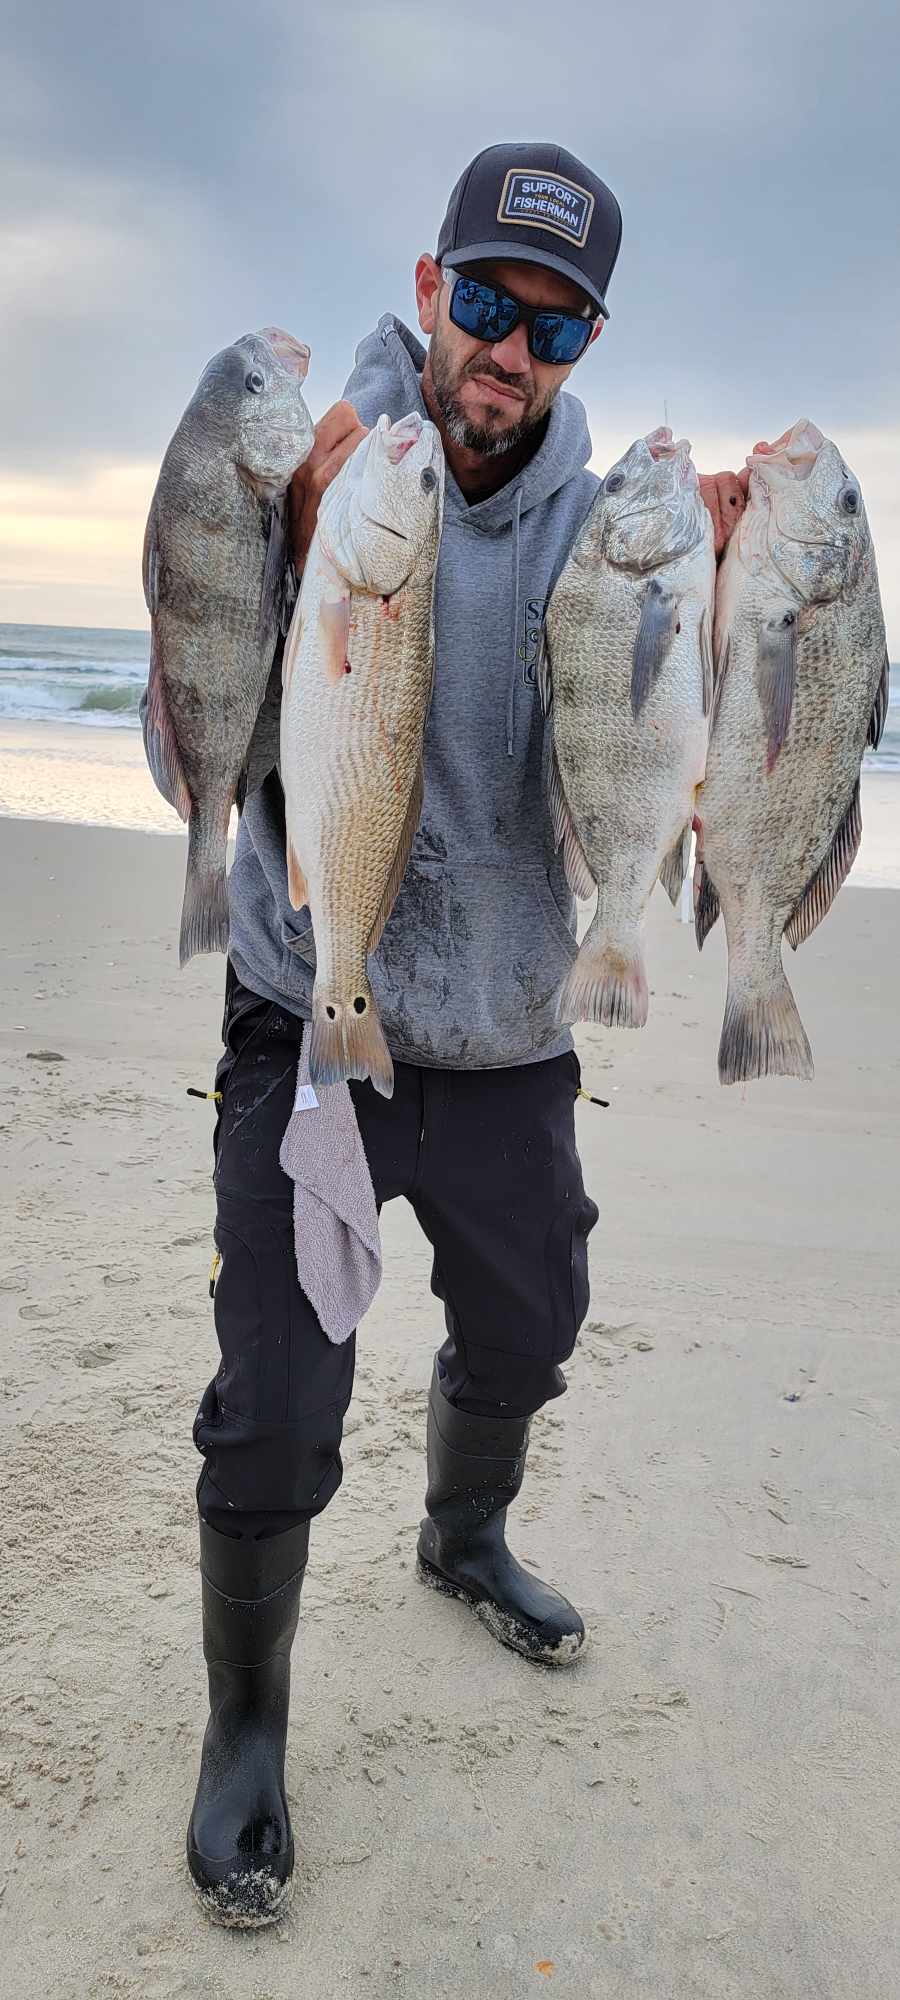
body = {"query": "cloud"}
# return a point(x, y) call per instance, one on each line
point(170, 177)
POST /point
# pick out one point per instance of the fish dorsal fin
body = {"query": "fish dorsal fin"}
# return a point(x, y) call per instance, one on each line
point(398, 865)
point(820, 892)
point(165, 753)
point(776, 675)
point(578, 874)
point(659, 618)
point(879, 712)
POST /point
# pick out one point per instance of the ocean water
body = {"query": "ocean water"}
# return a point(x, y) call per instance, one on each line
point(94, 678)
point(70, 673)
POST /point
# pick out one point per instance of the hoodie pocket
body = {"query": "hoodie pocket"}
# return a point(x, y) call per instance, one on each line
point(471, 963)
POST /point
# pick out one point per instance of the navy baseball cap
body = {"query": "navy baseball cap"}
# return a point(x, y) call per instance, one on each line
point(535, 204)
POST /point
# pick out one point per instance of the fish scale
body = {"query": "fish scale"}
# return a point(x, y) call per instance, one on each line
point(779, 809)
point(358, 672)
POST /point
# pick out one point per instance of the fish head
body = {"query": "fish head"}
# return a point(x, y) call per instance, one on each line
point(652, 511)
point(806, 514)
point(249, 401)
point(384, 509)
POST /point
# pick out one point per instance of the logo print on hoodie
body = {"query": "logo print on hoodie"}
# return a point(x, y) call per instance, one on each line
point(531, 627)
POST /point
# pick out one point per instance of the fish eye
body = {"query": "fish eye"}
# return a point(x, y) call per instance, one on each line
point(255, 382)
point(428, 480)
point(614, 483)
point(848, 500)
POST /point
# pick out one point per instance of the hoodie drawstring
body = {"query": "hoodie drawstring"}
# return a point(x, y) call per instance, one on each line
point(511, 701)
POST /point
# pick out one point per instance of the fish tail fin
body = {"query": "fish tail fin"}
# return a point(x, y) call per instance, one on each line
point(763, 1035)
point(606, 983)
point(347, 1040)
point(204, 915)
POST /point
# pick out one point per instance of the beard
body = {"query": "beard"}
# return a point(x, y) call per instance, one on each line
point(494, 434)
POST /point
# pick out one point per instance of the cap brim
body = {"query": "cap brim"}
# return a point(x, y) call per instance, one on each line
point(520, 253)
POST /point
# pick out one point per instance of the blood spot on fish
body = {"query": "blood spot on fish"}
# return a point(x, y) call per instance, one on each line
point(347, 667)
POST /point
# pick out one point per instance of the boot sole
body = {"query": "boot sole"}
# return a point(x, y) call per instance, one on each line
point(501, 1625)
point(271, 1897)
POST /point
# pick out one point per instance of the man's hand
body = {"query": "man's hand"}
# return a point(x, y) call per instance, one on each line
point(337, 434)
point(725, 494)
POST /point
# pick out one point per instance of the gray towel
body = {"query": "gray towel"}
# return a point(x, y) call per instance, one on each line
point(335, 1218)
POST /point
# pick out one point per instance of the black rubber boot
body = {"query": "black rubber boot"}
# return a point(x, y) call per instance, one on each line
point(240, 1847)
point(475, 1468)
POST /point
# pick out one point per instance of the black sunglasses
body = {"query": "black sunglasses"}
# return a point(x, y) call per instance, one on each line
point(488, 314)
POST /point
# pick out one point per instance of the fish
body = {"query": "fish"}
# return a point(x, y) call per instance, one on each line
point(801, 689)
point(220, 588)
point(626, 682)
point(358, 672)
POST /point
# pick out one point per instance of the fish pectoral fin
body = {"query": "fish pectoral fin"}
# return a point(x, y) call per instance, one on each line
point(334, 620)
point(545, 676)
point(721, 656)
point(706, 660)
point(706, 905)
point(675, 866)
point(658, 623)
point(298, 887)
point(398, 865)
point(776, 674)
point(578, 873)
point(820, 891)
point(879, 712)
point(166, 755)
point(151, 563)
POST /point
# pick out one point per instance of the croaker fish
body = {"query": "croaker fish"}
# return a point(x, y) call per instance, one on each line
point(801, 689)
point(627, 679)
point(358, 670)
point(219, 588)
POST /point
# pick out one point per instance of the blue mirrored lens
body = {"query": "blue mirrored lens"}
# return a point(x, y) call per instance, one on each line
point(482, 311)
point(559, 337)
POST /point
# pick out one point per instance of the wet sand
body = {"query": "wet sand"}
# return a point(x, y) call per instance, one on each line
point(706, 1807)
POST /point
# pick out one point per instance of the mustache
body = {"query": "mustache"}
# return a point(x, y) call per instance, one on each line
point(482, 366)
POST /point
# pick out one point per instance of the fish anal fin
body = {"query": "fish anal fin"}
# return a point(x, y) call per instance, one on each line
point(655, 633)
point(820, 891)
point(298, 887)
point(675, 866)
point(161, 726)
point(706, 905)
point(776, 672)
point(879, 712)
point(398, 865)
point(575, 861)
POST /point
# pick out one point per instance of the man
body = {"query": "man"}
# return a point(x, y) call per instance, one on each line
point(479, 1135)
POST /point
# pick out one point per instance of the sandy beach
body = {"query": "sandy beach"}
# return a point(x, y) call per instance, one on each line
point(706, 1807)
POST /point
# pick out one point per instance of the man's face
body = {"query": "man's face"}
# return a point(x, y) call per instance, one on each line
point(492, 394)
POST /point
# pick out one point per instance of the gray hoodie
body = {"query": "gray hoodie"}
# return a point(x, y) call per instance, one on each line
point(481, 934)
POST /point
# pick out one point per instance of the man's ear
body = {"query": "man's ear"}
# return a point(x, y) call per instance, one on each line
point(597, 331)
point(428, 285)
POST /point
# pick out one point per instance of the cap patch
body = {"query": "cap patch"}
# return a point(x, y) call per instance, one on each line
point(546, 201)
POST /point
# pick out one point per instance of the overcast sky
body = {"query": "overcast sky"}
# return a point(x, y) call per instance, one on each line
point(174, 175)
